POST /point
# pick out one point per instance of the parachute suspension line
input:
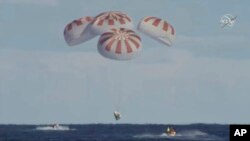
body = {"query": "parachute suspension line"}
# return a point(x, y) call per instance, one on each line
point(120, 89)
point(119, 95)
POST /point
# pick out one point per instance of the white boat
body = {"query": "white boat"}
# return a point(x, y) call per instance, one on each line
point(53, 127)
point(170, 131)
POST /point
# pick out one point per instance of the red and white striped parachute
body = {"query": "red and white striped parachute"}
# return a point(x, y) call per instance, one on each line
point(108, 20)
point(118, 40)
point(119, 44)
point(76, 31)
point(157, 29)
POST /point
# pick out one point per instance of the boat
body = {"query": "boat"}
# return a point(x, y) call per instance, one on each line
point(53, 127)
point(170, 131)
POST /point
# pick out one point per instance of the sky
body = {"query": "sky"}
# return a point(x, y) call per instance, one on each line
point(203, 78)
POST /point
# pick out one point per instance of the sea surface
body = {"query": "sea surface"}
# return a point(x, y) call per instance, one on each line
point(114, 132)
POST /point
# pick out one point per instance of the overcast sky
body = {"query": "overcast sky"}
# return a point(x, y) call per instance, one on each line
point(204, 77)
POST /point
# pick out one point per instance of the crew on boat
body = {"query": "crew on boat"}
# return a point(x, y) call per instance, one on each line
point(170, 131)
point(55, 125)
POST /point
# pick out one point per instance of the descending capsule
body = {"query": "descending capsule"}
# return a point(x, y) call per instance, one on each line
point(108, 20)
point(157, 29)
point(76, 32)
point(119, 44)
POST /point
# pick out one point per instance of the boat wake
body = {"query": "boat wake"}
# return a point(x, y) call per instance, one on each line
point(195, 135)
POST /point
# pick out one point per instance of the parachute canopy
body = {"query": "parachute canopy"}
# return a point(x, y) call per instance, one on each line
point(157, 29)
point(108, 20)
point(76, 31)
point(118, 40)
point(119, 44)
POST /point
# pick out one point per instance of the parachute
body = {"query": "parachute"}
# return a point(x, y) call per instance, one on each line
point(107, 20)
point(83, 29)
point(76, 31)
point(117, 39)
point(157, 29)
point(119, 44)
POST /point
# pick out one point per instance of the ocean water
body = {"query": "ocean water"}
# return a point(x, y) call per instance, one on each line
point(114, 132)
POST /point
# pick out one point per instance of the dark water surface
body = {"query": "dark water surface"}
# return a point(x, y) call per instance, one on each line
point(114, 132)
